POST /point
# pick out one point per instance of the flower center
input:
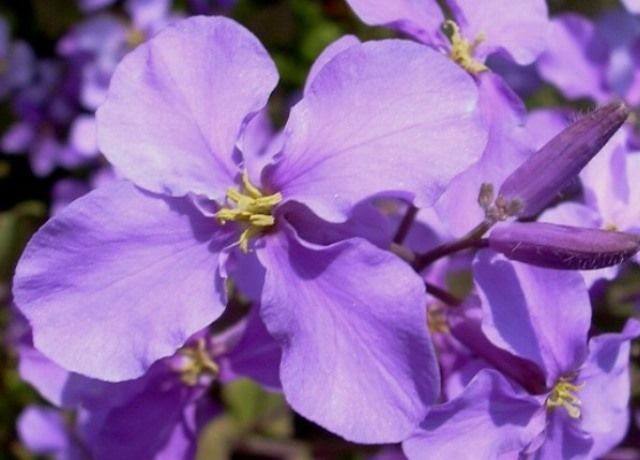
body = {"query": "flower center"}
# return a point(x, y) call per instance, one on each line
point(251, 208)
point(437, 319)
point(4, 66)
point(462, 50)
point(563, 395)
point(197, 363)
point(135, 37)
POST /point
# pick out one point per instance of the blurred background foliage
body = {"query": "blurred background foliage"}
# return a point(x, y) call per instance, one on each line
point(256, 424)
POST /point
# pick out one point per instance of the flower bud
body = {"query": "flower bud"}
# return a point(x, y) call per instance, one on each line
point(531, 187)
point(561, 246)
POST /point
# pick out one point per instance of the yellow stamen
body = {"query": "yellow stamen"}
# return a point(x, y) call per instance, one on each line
point(252, 208)
point(462, 50)
point(563, 395)
point(610, 227)
point(135, 37)
point(198, 363)
point(437, 319)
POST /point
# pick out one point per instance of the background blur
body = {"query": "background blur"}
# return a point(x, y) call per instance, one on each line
point(256, 424)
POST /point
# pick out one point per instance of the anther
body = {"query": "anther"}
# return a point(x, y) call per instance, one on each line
point(462, 50)
point(563, 395)
point(252, 209)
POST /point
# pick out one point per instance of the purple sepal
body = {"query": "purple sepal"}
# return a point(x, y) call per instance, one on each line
point(536, 182)
point(562, 246)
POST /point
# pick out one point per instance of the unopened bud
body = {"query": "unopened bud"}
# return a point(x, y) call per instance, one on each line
point(561, 246)
point(542, 176)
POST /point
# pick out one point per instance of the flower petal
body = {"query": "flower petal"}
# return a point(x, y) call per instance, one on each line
point(119, 279)
point(563, 439)
point(256, 355)
point(576, 62)
point(419, 18)
point(535, 313)
point(518, 28)
point(606, 387)
point(507, 148)
point(157, 422)
point(380, 117)
point(351, 320)
point(490, 418)
point(331, 51)
point(178, 102)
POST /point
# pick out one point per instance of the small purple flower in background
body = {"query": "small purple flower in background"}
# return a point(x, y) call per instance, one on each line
point(542, 316)
point(379, 118)
point(98, 44)
point(161, 413)
point(44, 110)
point(598, 60)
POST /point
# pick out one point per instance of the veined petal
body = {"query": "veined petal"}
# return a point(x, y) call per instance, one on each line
point(178, 102)
point(331, 51)
point(490, 418)
point(351, 321)
point(535, 313)
point(119, 279)
point(419, 18)
point(387, 117)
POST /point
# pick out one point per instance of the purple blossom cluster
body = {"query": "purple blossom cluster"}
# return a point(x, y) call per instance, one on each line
point(317, 260)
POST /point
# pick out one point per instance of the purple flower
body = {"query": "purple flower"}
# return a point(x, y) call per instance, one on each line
point(583, 411)
point(98, 44)
point(160, 414)
point(576, 61)
point(127, 274)
point(45, 109)
point(477, 30)
point(595, 60)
